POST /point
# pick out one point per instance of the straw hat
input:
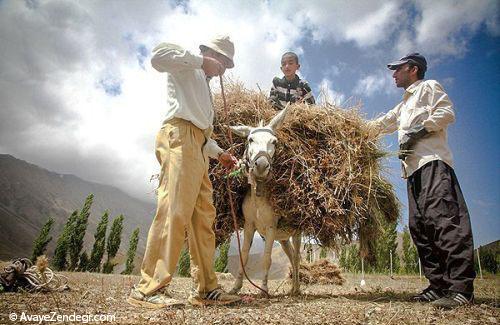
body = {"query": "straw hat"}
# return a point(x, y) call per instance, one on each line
point(222, 45)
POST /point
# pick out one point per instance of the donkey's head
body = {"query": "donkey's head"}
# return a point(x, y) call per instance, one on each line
point(261, 144)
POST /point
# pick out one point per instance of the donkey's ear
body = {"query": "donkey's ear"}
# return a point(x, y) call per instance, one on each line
point(241, 130)
point(278, 120)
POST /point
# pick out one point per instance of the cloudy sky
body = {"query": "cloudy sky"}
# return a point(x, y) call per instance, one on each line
point(78, 94)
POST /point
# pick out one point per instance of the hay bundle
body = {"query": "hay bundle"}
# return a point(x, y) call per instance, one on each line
point(325, 176)
point(319, 272)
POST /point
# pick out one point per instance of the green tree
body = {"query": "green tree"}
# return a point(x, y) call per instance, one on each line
point(350, 259)
point(410, 255)
point(343, 258)
point(113, 244)
point(43, 239)
point(354, 258)
point(84, 262)
point(129, 265)
point(75, 243)
point(184, 264)
point(99, 244)
point(322, 252)
point(385, 245)
point(221, 261)
point(309, 252)
point(60, 254)
point(490, 259)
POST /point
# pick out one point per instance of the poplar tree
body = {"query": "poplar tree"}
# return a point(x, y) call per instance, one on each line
point(113, 244)
point(221, 261)
point(350, 259)
point(410, 255)
point(354, 258)
point(323, 252)
point(99, 244)
point(129, 265)
point(84, 262)
point(43, 239)
point(60, 254)
point(184, 264)
point(386, 244)
point(75, 243)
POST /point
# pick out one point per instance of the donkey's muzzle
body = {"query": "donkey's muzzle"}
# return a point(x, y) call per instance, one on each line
point(262, 167)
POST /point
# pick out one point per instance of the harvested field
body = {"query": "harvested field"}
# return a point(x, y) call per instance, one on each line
point(381, 301)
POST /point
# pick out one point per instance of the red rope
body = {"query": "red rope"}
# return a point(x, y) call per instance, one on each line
point(228, 185)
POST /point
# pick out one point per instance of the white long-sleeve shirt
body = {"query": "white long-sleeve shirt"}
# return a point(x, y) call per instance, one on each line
point(188, 91)
point(424, 102)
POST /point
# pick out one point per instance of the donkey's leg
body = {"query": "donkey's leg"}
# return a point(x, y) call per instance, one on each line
point(248, 232)
point(287, 248)
point(268, 250)
point(296, 239)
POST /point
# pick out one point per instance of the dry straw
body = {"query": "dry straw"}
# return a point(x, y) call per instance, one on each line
point(326, 173)
point(319, 272)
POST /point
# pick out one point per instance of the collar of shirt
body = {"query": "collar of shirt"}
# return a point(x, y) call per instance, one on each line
point(294, 80)
point(411, 89)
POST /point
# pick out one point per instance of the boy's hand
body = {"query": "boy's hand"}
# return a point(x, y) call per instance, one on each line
point(227, 160)
point(212, 67)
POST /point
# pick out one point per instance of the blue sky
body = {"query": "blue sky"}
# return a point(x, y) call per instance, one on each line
point(78, 94)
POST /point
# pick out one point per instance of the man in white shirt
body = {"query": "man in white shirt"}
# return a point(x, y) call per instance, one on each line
point(185, 204)
point(438, 216)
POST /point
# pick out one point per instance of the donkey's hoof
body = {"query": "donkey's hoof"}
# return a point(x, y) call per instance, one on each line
point(263, 294)
point(234, 291)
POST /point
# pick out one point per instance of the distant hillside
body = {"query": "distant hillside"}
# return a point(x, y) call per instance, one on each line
point(494, 246)
point(30, 194)
point(279, 267)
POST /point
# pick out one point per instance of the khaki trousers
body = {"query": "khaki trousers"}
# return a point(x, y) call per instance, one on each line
point(184, 205)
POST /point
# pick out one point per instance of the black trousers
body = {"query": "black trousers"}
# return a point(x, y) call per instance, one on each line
point(440, 227)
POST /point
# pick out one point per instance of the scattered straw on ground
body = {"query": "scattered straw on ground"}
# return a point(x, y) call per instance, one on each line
point(320, 272)
point(382, 301)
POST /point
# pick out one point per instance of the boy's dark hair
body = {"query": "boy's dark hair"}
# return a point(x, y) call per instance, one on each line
point(293, 55)
point(420, 71)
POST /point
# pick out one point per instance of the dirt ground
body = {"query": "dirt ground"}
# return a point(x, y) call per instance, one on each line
point(381, 301)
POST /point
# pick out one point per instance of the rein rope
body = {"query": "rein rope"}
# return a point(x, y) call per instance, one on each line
point(228, 185)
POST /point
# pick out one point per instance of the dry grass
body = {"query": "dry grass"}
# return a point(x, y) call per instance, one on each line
point(319, 272)
point(382, 301)
point(326, 174)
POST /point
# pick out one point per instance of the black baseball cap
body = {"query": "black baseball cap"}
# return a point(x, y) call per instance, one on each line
point(415, 58)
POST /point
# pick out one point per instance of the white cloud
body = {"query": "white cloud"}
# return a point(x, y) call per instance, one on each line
point(375, 26)
point(380, 81)
point(333, 70)
point(327, 94)
point(78, 95)
point(445, 27)
point(448, 82)
point(364, 22)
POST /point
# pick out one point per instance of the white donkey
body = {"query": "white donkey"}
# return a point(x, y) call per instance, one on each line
point(257, 210)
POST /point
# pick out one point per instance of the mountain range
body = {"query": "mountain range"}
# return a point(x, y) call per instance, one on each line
point(29, 195)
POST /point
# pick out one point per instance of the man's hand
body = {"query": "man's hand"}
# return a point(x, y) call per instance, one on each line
point(227, 160)
point(373, 129)
point(409, 140)
point(212, 67)
point(406, 144)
